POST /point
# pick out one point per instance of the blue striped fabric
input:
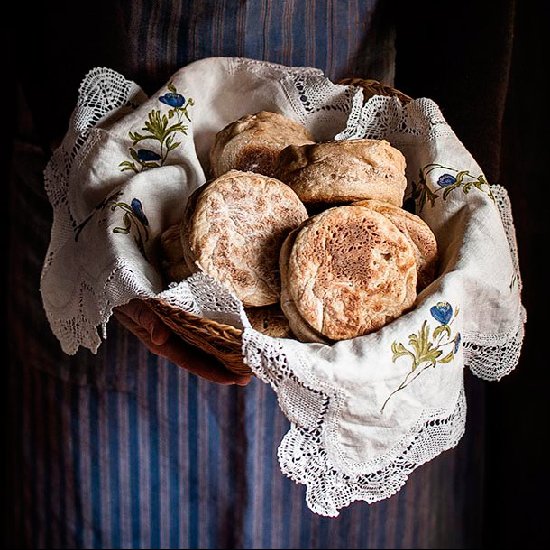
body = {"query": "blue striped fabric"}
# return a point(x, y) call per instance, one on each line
point(104, 470)
point(342, 37)
point(124, 450)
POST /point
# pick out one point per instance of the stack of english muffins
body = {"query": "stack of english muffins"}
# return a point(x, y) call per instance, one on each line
point(311, 237)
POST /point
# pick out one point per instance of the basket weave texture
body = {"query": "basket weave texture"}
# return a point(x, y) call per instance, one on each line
point(224, 342)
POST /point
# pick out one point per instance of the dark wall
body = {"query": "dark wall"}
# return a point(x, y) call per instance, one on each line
point(483, 63)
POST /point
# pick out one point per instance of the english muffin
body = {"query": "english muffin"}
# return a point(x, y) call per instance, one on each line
point(341, 172)
point(350, 272)
point(269, 320)
point(419, 233)
point(253, 143)
point(233, 230)
point(173, 264)
point(299, 327)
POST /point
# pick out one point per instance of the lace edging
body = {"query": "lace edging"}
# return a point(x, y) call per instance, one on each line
point(101, 92)
point(302, 453)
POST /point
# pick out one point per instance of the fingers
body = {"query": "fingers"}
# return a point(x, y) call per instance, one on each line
point(143, 316)
point(185, 356)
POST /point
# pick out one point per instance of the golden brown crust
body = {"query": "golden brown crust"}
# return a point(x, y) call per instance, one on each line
point(172, 262)
point(234, 229)
point(175, 271)
point(171, 245)
point(269, 320)
point(298, 326)
point(185, 228)
point(419, 233)
point(340, 172)
point(253, 143)
point(350, 272)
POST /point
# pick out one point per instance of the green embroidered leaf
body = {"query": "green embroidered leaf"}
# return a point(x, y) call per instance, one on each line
point(425, 336)
point(449, 189)
point(442, 328)
point(419, 196)
point(430, 356)
point(127, 224)
point(413, 341)
point(122, 205)
point(127, 165)
point(467, 187)
point(431, 196)
point(448, 358)
point(184, 110)
point(398, 350)
point(460, 176)
point(420, 342)
point(417, 191)
point(426, 352)
point(136, 137)
point(178, 127)
point(157, 125)
point(150, 164)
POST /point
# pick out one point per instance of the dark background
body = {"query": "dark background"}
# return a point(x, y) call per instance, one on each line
point(483, 63)
point(491, 62)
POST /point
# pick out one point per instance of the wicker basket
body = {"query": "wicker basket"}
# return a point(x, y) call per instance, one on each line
point(224, 342)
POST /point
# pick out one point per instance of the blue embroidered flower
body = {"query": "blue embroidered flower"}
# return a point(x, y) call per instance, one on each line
point(445, 180)
point(145, 155)
point(426, 349)
point(158, 128)
point(442, 312)
point(172, 99)
point(458, 339)
point(137, 209)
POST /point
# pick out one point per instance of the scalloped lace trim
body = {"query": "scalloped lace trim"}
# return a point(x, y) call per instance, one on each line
point(303, 451)
point(102, 92)
point(493, 356)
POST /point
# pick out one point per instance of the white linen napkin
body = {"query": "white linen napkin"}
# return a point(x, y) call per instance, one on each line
point(364, 412)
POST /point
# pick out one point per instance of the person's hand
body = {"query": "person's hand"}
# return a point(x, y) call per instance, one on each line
point(139, 319)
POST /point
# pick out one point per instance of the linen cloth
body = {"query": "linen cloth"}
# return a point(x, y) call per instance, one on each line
point(365, 412)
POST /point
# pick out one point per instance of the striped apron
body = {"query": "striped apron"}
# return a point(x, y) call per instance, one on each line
point(125, 450)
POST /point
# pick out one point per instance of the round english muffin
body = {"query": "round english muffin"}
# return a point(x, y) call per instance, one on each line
point(340, 172)
point(418, 232)
point(269, 320)
point(253, 143)
point(233, 229)
point(173, 264)
point(350, 272)
point(298, 326)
